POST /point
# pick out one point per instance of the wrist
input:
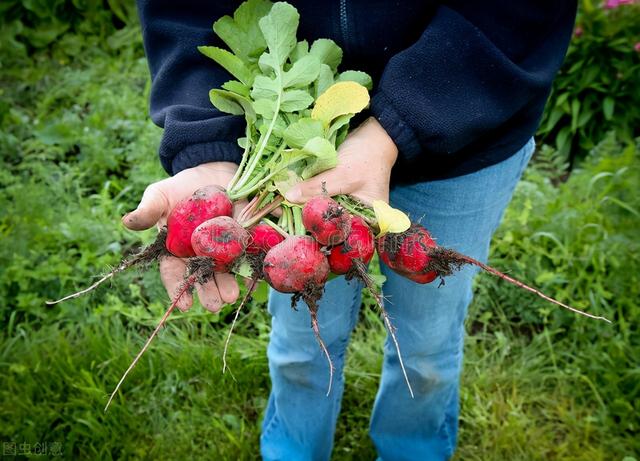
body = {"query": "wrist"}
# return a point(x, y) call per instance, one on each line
point(381, 142)
point(218, 167)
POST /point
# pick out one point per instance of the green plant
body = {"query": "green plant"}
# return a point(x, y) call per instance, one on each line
point(63, 26)
point(596, 90)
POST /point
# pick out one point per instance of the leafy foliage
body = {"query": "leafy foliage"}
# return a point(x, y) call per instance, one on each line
point(596, 90)
point(68, 27)
point(278, 79)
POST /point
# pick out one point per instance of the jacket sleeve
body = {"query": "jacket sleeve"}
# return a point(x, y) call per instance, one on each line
point(474, 68)
point(181, 77)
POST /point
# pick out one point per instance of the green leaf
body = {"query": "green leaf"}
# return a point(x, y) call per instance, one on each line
point(230, 62)
point(575, 111)
point(324, 80)
point(265, 107)
point(302, 73)
point(560, 100)
point(280, 125)
point(300, 132)
point(325, 157)
point(553, 119)
point(295, 100)
point(242, 33)
point(338, 123)
point(563, 139)
point(300, 51)
point(265, 87)
point(608, 106)
point(236, 87)
point(341, 135)
point(327, 52)
point(362, 78)
point(224, 103)
point(285, 180)
point(45, 33)
point(279, 29)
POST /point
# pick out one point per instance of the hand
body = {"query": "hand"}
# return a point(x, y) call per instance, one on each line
point(157, 201)
point(365, 159)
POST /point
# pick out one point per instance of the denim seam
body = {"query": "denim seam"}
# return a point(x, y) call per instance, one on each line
point(270, 425)
point(445, 427)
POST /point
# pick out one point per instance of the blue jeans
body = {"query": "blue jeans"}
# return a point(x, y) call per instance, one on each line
point(461, 213)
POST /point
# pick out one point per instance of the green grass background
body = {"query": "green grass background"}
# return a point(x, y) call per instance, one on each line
point(77, 149)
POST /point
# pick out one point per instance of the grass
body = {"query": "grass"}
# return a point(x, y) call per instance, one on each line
point(77, 151)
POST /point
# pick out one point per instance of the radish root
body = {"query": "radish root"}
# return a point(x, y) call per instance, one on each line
point(186, 287)
point(452, 260)
point(311, 295)
point(362, 274)
point(145, 257)
point(235, 318)
point(316, 331)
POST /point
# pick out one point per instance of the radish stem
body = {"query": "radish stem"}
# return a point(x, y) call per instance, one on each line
point(243, 161)
point(276, 227)
point(263, 212)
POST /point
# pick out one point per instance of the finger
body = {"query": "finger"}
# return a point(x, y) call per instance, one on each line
point(172, 274)
point(238, 206)
point(209, 296)
point(229, 290)
point(153, 205)
point(332, 182)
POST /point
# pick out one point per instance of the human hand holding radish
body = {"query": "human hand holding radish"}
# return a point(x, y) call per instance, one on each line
point(297, 144)
point(157, 202)
point(365, 159)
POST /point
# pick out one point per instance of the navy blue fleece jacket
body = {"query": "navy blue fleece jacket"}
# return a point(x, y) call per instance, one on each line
point(458, 85)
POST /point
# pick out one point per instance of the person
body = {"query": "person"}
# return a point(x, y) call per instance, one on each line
point(459, 89)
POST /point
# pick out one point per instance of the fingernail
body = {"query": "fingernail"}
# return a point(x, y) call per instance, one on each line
point(126, 216)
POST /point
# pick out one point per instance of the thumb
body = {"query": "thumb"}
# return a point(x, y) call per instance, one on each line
point(153, 205)
point(331, 182)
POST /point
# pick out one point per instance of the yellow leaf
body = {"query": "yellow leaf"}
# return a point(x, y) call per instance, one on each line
point(390, 220)
point(339, 99)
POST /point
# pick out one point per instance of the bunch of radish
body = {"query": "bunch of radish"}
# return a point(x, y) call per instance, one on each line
point(331, 241)
point(297, 107)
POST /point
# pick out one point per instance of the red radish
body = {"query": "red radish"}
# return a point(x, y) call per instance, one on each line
point(422, 278)
point(205, 203)
point(295, 264)
point(263, 238)
point(415, 255)
point(326, 220)
point(222, 239)
point(358, 245)
point(298, 266)
point(409, 253)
